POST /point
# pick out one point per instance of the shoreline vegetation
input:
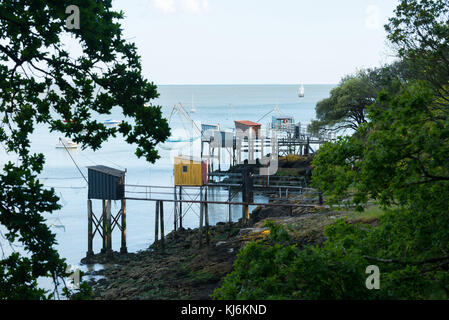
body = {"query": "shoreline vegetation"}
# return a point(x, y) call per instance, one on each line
point(187, 271)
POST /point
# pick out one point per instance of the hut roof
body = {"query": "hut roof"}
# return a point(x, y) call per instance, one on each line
point(247, 123)
point(108, 170)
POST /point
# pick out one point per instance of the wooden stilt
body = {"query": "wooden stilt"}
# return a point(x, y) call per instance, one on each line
point(109, 227)
point(156, 225)
point(103, 217)
point(161, 211)
point(175, 211)
point(229, 205)
point(123, 248)
point(206, 217)
point(90, 237)
point(245, 213)
point(180, 207)
point(219, 158)
point(201, 217)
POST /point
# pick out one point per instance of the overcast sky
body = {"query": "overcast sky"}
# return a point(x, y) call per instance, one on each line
point(256, 41)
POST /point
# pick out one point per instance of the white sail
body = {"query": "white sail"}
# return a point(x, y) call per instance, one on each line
point(192, 109)
point(301, 91)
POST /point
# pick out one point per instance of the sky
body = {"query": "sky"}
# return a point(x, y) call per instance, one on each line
point(256, 41)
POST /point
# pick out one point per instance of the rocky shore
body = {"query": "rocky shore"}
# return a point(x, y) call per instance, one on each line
point(186, 270)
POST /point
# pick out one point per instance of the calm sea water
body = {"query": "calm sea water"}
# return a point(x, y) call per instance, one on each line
point(213, 104)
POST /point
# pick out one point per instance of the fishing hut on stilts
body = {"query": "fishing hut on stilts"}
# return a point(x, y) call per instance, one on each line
point(106, 184)
point(191, 174)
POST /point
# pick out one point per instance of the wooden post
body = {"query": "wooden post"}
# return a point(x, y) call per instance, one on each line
point(123, 248)
point(229, 205)
point(161, 211)
point(210, 159)
point(175, 211)
point(90, 251)
point(206, 217)
point(219, 158)
point(202, 146)
point(109, 227)
point(213, 156)
point(245, 213)
point(103, 217)
point(201, 217)
point(180, 207)
point(233, 151)
point(156, 225)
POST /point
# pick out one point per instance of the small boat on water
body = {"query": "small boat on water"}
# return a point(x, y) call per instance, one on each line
point(66, 143)
point(192, 109)
point(301, 91)
point(112, 122)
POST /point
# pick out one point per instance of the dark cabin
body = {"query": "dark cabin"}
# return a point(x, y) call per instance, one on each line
point(106, 183)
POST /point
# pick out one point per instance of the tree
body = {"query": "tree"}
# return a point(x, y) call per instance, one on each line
point(419, 32)
point(398, 157)
point(42, 83)
point(281, 270)
point(345, 108)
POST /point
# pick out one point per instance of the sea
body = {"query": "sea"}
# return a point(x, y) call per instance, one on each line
point(211, 104)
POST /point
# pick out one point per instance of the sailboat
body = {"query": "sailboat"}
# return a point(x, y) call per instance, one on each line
point(66, 143)
point(192, 108)
point(112, 122)
point(301, 91)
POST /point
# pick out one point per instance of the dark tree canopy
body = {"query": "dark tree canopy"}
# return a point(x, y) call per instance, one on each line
point(419, 32)
point(41, 82)
point(346, 107)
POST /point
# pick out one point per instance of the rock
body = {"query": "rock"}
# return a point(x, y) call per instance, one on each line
point(247, 231)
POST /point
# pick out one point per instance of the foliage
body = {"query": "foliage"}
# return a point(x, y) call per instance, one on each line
point(83, 293)
point(345, 108)
point(420, 34)
point(42, 84)
point(281, 271)
point(398, 157)
point(337, 270)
